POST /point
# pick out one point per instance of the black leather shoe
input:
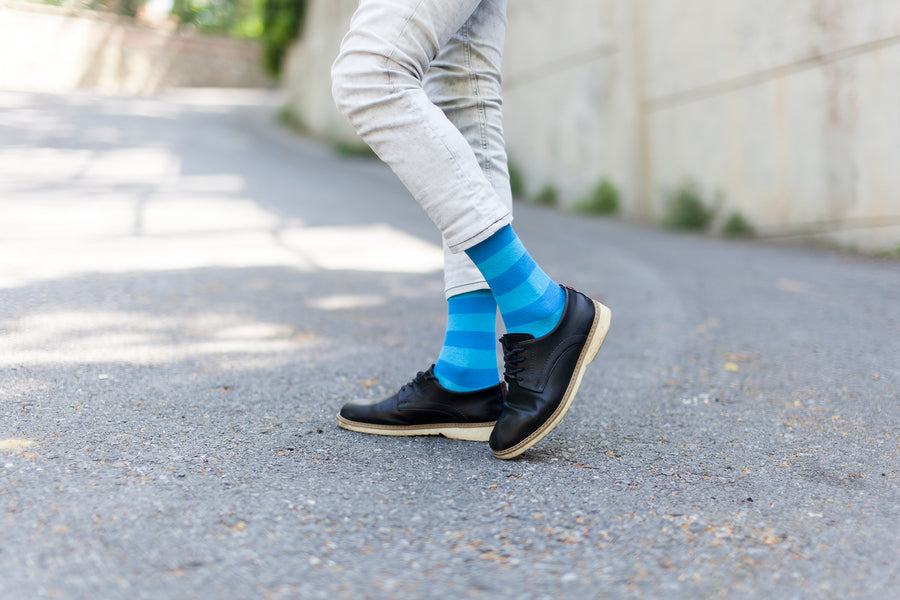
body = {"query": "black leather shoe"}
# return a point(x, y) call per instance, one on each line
point(543, 374)
point(423, 407)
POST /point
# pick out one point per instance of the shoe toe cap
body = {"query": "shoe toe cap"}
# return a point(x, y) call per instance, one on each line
point(361, 410)
point(507, 433)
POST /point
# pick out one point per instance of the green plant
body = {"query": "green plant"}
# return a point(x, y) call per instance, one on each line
point(282, 22)
point(686, 209)
point(548, 196)
point(238, 18)
point(737, 226)
point(603, 200)
point(292, 120)
point(351, 149)
point(516, 181)
point(129, 8)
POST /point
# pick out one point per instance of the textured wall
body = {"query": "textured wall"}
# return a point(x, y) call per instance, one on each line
point(307, 76)
point(568, 106)
point(52, 50)
point(787, 111)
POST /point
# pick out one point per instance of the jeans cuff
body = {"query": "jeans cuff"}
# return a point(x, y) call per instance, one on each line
point(481, 235)
point(464, 288)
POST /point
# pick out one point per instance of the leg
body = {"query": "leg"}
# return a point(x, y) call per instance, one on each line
point(452, 76)
point(378, 83)
point(554, 327)
point(464, 81)
point(461, 396)
point(553, 333)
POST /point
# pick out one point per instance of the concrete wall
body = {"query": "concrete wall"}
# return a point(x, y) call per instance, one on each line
point(307, 71)
point(47, 49)
point(787, 111)
point(568, 110)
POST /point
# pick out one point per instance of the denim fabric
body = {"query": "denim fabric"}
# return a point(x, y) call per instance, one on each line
point(420, 82)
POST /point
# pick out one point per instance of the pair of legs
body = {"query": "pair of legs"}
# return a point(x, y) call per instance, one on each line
point(420, 81)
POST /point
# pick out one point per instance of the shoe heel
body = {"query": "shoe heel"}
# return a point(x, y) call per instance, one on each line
point(602, 320)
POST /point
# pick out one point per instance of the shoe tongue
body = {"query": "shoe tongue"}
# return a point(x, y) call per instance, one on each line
point(518, 338)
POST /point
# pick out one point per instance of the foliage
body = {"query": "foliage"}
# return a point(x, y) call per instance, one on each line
point(282, 22)
point(737, 226)
point(128, 8)
point(548, 196)
point(276, 23)
point(239, 18)
point(516, 181)
point(686, 209)
point(353, 150)
point(604, 200)
point(292, 120)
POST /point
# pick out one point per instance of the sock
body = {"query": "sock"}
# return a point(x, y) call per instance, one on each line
point(529, 301)
point(468, 359)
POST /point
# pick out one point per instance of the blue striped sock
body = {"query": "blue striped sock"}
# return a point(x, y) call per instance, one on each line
point(468, 359)
point(529, 301)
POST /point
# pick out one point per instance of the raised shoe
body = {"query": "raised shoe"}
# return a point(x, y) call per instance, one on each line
point(543, 374)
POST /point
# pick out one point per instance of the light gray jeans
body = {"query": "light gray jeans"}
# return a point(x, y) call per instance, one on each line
point(419, 80)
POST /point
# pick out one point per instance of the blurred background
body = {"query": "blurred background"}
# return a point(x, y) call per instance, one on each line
point(774, 118)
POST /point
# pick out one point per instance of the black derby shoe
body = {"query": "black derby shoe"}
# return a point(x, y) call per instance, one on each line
point(424, 407)
point(543, 374)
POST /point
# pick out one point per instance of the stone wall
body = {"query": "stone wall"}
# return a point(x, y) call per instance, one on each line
point(48, 49)
point(786, 111)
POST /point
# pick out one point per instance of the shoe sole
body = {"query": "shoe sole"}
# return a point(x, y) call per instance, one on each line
point(472, 432)
point(596, 336)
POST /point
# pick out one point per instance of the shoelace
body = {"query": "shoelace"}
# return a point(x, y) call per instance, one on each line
point(420, 378)
point(511, 359)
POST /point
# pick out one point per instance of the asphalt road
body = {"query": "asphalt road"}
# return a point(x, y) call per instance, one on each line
point(188, 293)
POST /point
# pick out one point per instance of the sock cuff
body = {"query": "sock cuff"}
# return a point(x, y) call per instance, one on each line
point(482, 251)
point(475, 302)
